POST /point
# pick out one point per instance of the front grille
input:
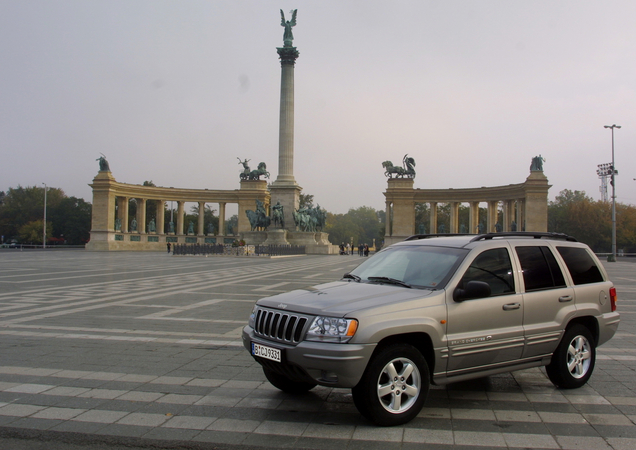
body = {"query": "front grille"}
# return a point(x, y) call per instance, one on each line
point(280, 326)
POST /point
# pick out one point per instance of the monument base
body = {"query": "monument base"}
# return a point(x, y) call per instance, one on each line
point(276, 237)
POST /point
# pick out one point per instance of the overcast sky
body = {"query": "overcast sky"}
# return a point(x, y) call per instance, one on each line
point(175, 91)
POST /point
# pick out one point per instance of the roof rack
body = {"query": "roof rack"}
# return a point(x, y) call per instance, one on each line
point(505, 234)
point(427, 236)
point(527, 234)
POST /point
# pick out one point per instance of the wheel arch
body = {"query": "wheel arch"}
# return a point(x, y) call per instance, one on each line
point(421, 341)
point(589, 322)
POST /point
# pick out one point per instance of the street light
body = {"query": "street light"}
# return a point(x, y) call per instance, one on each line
point(612, 257)
point(44, 229)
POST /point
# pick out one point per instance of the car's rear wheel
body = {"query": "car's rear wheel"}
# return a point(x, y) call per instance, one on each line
point(286, 384)
point(573, 361)
point(394, 386)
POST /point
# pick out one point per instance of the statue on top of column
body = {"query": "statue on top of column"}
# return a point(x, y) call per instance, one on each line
point(103, 164)
point(288, 37)
point(537, 163)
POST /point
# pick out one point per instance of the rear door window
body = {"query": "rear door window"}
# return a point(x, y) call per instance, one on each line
point(581, 265)
point(540, 268)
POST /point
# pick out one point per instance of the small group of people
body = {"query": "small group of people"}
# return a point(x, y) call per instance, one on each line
point(348, 249)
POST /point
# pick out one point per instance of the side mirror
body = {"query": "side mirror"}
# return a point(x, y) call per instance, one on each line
point(473, 289)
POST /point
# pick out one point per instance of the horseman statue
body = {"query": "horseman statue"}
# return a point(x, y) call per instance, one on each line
point(310, 219)
point(408, 169)
point(259, 220)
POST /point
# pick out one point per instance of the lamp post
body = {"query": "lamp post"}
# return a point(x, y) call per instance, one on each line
point(44, 229)
point(612, 257)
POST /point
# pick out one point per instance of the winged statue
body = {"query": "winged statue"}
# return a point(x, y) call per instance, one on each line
point(288, 37)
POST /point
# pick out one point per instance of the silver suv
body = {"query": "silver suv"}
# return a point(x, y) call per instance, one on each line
point(436, 309)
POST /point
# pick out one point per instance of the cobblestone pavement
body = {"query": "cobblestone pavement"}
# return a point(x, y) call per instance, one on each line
point(145, 349)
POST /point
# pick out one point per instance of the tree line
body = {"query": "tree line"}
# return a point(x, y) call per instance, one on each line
point(69, 219)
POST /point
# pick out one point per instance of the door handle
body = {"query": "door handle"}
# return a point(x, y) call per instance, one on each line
point(511, 306)
point(565, 298)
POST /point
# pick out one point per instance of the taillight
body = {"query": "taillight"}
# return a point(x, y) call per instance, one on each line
point(612, 293)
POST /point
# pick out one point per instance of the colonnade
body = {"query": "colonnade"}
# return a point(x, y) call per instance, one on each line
point(113, 229)
point(525, 204)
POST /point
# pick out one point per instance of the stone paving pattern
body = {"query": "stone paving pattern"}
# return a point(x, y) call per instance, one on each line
point(147, 346)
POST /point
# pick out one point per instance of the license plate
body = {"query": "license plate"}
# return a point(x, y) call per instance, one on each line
point(262, 351)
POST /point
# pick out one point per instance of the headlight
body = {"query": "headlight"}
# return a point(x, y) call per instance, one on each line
point(252, 320)
point(332, 329)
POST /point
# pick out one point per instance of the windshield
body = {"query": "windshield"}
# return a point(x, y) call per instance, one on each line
point(418, 266)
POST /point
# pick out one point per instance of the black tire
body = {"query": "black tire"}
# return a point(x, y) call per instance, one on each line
point(287, 385)
point(573, 361)
point(393, 400)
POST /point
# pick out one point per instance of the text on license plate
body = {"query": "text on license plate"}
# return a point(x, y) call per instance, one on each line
point(266, 352)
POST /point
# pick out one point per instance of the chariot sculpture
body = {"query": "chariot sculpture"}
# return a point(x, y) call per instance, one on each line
point(406, 171)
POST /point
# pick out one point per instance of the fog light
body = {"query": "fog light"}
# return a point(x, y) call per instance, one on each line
point(328, 377)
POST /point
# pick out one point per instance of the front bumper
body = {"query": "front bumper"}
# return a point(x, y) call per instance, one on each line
point(327, 364)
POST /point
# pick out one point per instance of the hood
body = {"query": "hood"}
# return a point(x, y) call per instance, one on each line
point(341, 298)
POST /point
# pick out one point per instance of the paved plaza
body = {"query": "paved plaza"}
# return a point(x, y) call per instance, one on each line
point(144, 349)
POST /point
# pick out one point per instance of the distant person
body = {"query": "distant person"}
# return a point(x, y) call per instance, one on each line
point(168, 247)
point(366, 249)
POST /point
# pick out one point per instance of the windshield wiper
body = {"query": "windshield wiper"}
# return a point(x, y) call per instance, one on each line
point(351, 276)
point(389, 281)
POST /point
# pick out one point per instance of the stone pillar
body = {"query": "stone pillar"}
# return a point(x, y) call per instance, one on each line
point(180, 216)
point(103, 216)
point(388, 218)
point(454, 217)
point(201, 224)
point(285, 189)
point(141, 215)
point(433, 218)
point(122, 212)
point(520, 217)
point(473, 219)
point(508, 209)
point(288, 57)
point(161, 216)
point(492, 216)
point(536, 202)
point(221, 219)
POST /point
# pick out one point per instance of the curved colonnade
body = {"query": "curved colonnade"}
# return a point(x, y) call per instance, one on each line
point(111, 230)
point(525, 203)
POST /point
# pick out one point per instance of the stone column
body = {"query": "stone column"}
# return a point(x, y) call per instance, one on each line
point(454, 217)
point(536, 202)
point(388, 218)
point(285, 189)
point(473, 219)
point(221, 219)
point(492, 216)
point(161, 217)
point(201, 224)
point(433, 218)
point(180, 216)
point(122, 212)
point(141, 215)
point(520, 218)
point(508, 208)
point(103, 217)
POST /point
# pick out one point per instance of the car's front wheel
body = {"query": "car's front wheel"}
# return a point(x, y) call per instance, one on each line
point(394, 386)
point(573, 361)
point(287, 385)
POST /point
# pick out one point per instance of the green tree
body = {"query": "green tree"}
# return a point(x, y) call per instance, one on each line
point(306, 201)
point(72, 220)
point(358, 226)
point(580, 216)
point(33, 232)
point(23, 205)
